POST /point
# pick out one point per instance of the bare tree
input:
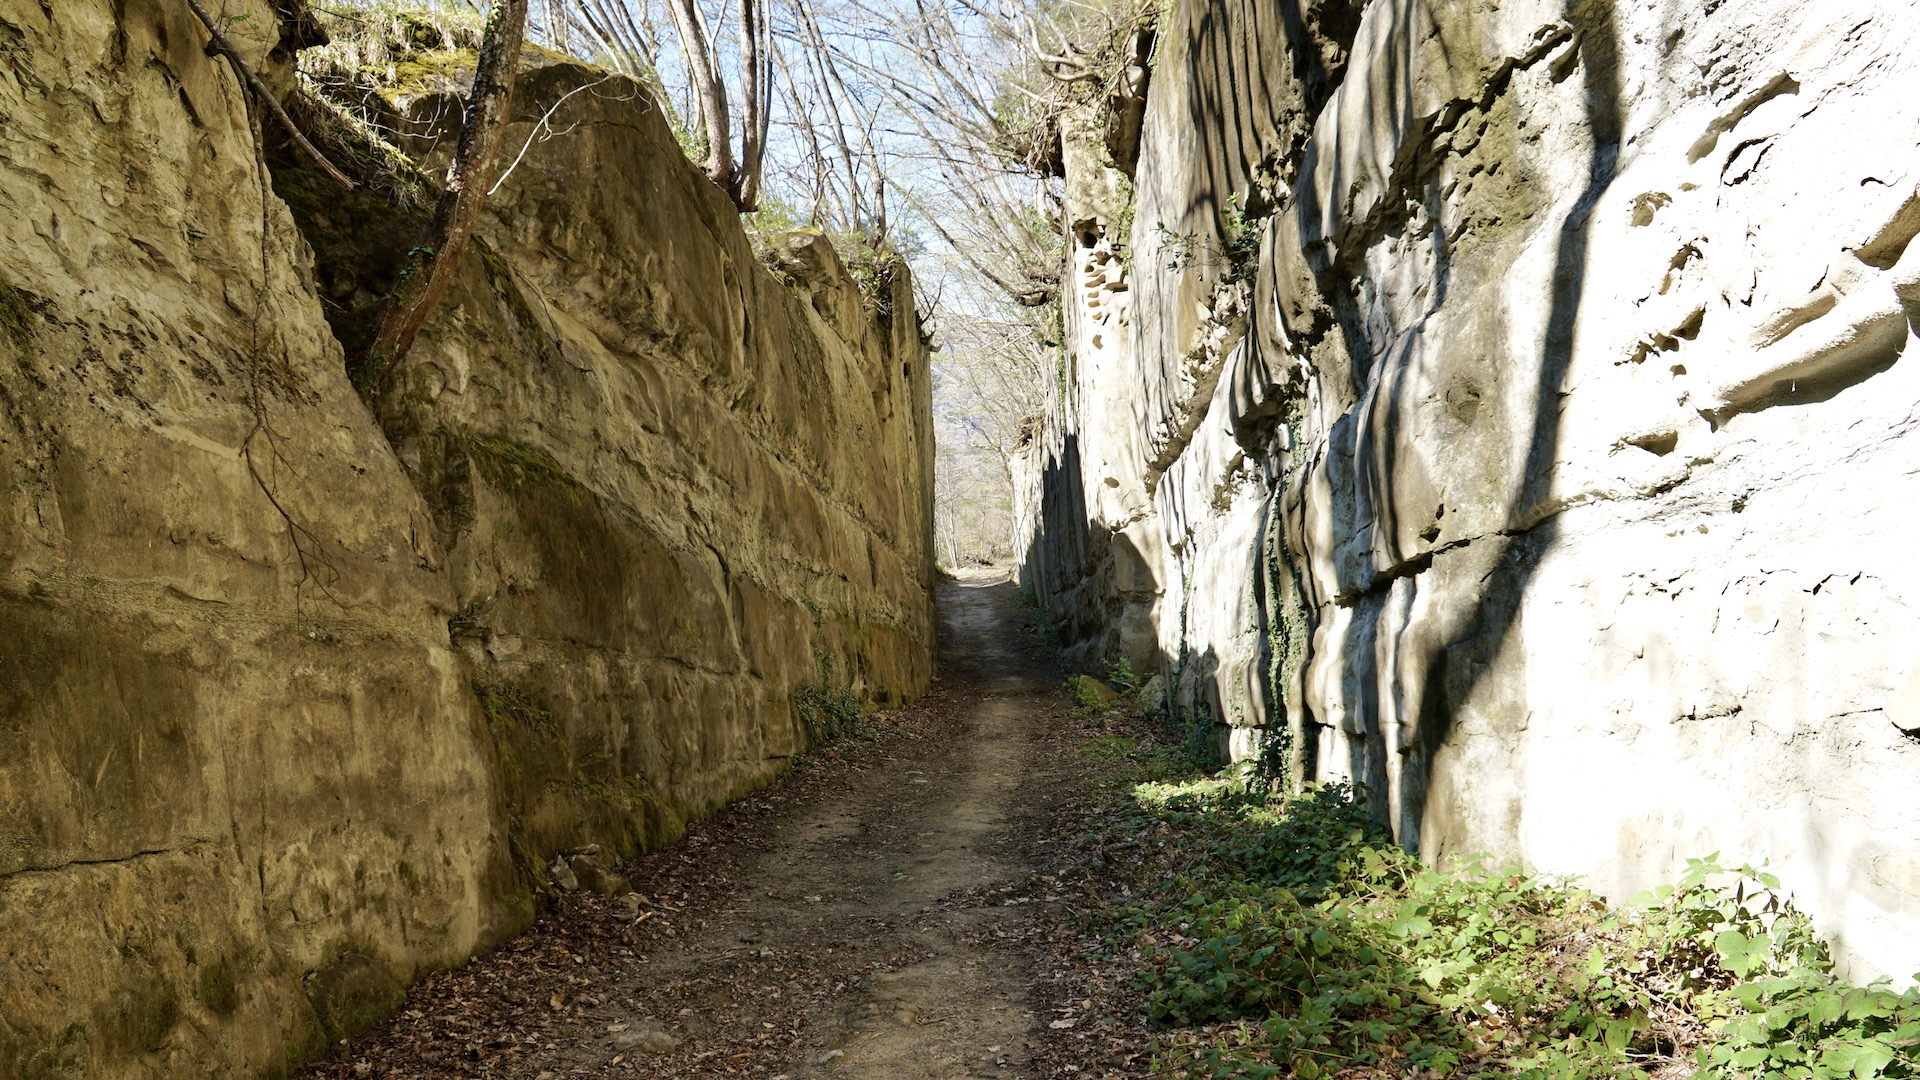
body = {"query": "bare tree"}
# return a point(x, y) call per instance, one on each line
point(739, 177)
point(556, 24)
point(626, 36)
point(431, 264)
point(623, 34)
point(838, 125)
point(976, 94)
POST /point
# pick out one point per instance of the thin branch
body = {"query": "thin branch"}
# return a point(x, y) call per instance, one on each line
point(542, 125)
point(225, 48)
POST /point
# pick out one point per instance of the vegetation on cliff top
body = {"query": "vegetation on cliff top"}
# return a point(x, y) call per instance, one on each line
point(386, 40)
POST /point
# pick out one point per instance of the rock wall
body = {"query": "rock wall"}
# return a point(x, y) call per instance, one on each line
point(296, 702)
point(1507, 406)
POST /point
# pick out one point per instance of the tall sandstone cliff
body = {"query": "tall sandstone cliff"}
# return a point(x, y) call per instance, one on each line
point(296, 701)
point(1514, 406)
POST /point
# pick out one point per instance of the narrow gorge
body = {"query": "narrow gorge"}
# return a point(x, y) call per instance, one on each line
point(1193, 538)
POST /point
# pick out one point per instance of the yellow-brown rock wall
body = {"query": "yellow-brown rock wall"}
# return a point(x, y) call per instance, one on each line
point(297, 697)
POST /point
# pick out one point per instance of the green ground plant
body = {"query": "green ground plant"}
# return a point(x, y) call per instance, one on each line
point(1082, 695)
point(1092, 695)
point(1042, 619)
point(1193, 730)
point(1287, 936)
point(828, 710)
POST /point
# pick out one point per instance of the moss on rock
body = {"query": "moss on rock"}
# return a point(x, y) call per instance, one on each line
point(352, 994)
point(510, 465)
point(16, 318)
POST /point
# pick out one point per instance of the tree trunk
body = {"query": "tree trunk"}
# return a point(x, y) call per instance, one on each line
point(757, 71)
point(703, 70)
point(431, 264)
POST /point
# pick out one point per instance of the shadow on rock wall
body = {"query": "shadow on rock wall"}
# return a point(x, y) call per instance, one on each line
point(1458, 665)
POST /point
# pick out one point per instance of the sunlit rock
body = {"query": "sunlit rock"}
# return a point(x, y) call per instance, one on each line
point(1524, 399)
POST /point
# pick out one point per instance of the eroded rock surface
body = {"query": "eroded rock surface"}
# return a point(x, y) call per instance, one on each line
point(297, 701)
point(1509, 406)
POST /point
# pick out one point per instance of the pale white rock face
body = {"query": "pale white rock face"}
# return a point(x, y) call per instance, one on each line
point(1081, 488)
point(1575, 378)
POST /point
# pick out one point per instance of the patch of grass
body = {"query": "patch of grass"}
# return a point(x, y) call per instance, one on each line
point(873, 272)
point(1289, 937)
point(1192, 731)
point(1136, 761)
point(828, 710)
point(383, 41)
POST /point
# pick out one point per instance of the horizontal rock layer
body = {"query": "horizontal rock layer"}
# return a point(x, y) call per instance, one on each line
point(297, 701)
point(1509, 406)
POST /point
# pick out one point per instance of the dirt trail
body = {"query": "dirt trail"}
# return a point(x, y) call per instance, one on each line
point(901, 860)
point(861, 919)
